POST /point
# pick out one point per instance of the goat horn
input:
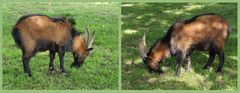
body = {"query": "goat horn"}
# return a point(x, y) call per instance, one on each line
point(93, 36)
point(142, 46)
point(87, 34)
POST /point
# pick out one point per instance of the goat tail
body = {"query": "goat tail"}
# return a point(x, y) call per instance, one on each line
point(229, 28)
point(16, 36)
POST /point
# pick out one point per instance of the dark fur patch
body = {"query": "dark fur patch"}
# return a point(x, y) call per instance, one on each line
point(68, 45)
point(27, 16)
point(17, 37)
point(45, 45)
point(57, 19)
point(166, 39)
point(195, 17)
point(74, 32)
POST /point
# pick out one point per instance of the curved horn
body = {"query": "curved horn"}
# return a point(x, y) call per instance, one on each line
point(142, 46)
point(87, 35)
point(93, 36)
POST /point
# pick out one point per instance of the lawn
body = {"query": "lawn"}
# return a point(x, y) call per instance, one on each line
point(100, 70)
point(155, 18)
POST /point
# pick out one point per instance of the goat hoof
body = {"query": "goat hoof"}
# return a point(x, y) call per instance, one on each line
point(28, 74)
point(206, 67)
point(161, 72)
point(187, 71)
point(76, 65)
point(218, 70)
point(177, 74)
point(64, 73)
point(52, 71)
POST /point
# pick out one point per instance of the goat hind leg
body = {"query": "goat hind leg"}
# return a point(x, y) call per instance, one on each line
point(189, 64)
point(180, 58)
point(25, 60)
point(221, 61)
point(210, 60)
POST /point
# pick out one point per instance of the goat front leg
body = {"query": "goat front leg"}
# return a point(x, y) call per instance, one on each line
point(221, 61)
point(51, 64)
point(180, 58)
point(189, 64)
point(61, 53)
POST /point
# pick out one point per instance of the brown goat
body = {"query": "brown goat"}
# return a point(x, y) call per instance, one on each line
point(33, 33)
point(206, 32)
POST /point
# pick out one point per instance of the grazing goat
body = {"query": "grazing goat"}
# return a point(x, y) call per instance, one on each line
point(205, 32)
point(33, 33)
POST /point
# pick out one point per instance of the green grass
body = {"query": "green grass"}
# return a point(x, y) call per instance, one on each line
point(100, 70)
point(155, 18)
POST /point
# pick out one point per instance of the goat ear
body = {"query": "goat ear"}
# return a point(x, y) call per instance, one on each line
point(142, 46)
point(64, 18)
point(145, 58)
point(89, 49)
point(72, 21)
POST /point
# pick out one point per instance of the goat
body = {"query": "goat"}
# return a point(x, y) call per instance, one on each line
point(34, 33)
point(205, 32)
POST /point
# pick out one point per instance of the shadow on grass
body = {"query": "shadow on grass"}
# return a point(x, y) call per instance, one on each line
point(155, 18)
